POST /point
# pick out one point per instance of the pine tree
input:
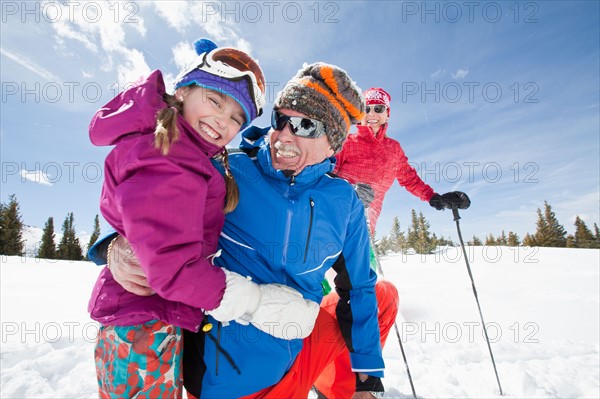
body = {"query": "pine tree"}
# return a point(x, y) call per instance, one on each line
point(439, 241)
point(490, 240)
point(597, 235)
point(513, 239)
point(558, 232)
point(549, 233)
point(476, 242)
point(11, 228)
point(583, 237)
point(69, 247)
point(502, 240)
point(571, 241)
point(529, 241)
point(442, 242)
point(397, 239)
point(95, 234)
point(542, 231)
point(47, 246)
point(382, 246)
point(2, 230)
point(425, 243)
point(412, 235)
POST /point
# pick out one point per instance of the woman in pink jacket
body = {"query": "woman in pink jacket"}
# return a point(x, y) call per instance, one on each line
point(371, 157)
point(371, 161)
point(163, 194)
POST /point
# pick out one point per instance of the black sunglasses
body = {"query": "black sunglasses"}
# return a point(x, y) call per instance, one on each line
point(377, 108)
point(301, 127)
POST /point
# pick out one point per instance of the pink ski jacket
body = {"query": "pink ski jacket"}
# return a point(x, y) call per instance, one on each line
point(378, 161)
point(170, 208)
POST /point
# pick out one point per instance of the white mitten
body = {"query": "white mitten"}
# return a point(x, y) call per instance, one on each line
point(241, 297)
point(283, 313)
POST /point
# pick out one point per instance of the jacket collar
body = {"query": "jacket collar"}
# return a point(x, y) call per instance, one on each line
point(367, 132)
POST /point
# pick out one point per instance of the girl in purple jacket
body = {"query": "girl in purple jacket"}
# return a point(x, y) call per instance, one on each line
point(162, 193)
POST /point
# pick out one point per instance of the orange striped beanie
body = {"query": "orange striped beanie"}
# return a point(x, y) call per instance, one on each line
point(326, 93)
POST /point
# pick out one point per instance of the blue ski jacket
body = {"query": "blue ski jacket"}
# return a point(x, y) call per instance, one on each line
point(291, 230)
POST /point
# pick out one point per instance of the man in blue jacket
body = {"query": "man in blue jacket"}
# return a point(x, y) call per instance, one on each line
point(295, 220)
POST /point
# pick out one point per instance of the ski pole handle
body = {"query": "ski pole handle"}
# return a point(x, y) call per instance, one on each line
point(455, 213)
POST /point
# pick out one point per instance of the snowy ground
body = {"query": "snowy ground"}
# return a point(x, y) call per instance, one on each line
point(541, 307)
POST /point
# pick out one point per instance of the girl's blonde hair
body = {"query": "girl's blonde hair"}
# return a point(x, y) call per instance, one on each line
point(167, 133)
point(232, 191)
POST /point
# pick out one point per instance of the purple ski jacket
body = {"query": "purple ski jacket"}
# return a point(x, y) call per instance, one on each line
point(169, 207)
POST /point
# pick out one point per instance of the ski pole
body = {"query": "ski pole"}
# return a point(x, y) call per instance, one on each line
point(380, 269)
point(462, 244)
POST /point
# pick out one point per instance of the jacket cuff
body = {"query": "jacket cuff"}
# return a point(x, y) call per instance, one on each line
point(97, 253)
point(367, 364)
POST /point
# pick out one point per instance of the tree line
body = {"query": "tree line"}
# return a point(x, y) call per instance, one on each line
point(11, 235)
point(418, 238)
point(549, 233)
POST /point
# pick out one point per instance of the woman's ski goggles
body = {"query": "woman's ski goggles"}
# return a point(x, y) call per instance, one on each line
point(378, 109)
point(233, 64)
point(299, 126)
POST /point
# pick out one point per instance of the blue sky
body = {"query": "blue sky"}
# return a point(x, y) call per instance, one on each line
point(497, 99)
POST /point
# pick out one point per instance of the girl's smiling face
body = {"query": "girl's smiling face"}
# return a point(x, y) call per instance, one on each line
point(215, 116)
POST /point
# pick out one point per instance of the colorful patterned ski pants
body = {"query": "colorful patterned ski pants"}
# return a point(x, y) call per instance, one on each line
point(142, 361)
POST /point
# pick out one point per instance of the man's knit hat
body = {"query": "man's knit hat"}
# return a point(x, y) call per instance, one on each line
point(326, 93)
point(376, 95)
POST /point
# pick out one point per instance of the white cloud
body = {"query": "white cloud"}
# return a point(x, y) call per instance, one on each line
point(206, 15)
point(438, 73)
point(584, 205)
point(176, 13)
point(243, 44)
point(104, 34)
point(132, 67)
point(183, 55)
point(460, 74)
point(64, 31)
point(36, 176)
point(30, 65)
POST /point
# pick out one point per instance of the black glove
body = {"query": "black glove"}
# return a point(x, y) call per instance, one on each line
point(365, 193)
point(449, 200)
point(371, 384)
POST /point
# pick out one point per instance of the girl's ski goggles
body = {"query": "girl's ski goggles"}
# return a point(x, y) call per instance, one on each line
point(301, 127)
point(233, 64)
point(378, 109)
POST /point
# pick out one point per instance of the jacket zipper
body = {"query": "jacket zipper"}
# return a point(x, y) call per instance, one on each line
point(286, 240)
point(310, 222)
point(288, 226)
point(217, 346)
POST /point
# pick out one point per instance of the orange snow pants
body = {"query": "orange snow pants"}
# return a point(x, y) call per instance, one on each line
point(324, 360)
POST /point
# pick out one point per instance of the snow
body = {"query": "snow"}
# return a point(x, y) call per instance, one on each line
point(541, 306)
